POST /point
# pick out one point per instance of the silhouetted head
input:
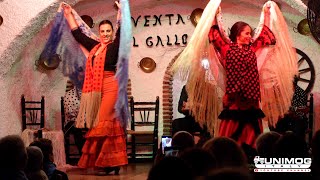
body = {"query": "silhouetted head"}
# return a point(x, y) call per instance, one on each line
point(46, 147)
point(183, 140)
point(170, 167)
point(35, 159)
point(229, 173)
point(265, 143)
point(13, 154)
point(200, 160)
point(289, 145)
point(227, 152)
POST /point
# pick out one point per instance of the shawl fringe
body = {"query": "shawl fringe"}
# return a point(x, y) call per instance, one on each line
point(278, 71)
point(89, 109)
point(202, 87)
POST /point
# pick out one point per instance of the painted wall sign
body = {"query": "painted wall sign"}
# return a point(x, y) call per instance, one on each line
point(158, 20)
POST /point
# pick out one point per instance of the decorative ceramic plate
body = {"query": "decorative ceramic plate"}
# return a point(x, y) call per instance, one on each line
point(147, 65)
point(49, 64)
point(1, 20)
point(195, 16)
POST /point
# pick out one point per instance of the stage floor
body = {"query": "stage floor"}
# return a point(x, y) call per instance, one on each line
point(133, 171)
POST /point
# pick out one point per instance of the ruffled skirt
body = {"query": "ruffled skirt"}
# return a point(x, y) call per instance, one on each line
point(105, 144)
point(241, 120)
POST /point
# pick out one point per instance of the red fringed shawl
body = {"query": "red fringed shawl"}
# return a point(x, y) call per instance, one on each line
point(91, 92)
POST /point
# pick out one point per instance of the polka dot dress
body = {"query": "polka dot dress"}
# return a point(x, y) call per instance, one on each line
point(242, 72)
point(300, 97)
point(72, 104)
point(299, 100)
point(242, 75)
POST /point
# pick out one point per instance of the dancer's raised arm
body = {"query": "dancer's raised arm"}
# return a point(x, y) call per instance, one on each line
point(67, 9)
point(266, 10)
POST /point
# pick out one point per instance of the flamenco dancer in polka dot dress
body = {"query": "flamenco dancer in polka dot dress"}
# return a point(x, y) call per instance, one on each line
point(241, 115)
point(250, 74)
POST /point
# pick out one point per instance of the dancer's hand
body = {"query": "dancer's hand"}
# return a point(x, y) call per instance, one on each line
point(118, 4)
point(218, 10)
point(267, 8)
point(119, 10)
point(67, 9)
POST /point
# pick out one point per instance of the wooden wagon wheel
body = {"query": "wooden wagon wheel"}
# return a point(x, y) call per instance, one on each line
point(306, 77)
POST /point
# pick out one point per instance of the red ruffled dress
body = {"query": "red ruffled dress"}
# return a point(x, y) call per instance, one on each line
point(105, 144)
point(241, 115)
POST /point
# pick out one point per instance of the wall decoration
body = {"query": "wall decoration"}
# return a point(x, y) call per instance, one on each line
point(50, 63)
point(303, 27)
point(1, 20)
point(195, 16)
point(147, 65)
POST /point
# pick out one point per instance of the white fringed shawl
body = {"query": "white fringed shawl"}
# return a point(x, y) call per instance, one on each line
point(277, 69)
point(202, 92)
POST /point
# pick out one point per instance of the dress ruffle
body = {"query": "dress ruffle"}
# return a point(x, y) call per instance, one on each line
point(241, 125)
point(242, 115)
